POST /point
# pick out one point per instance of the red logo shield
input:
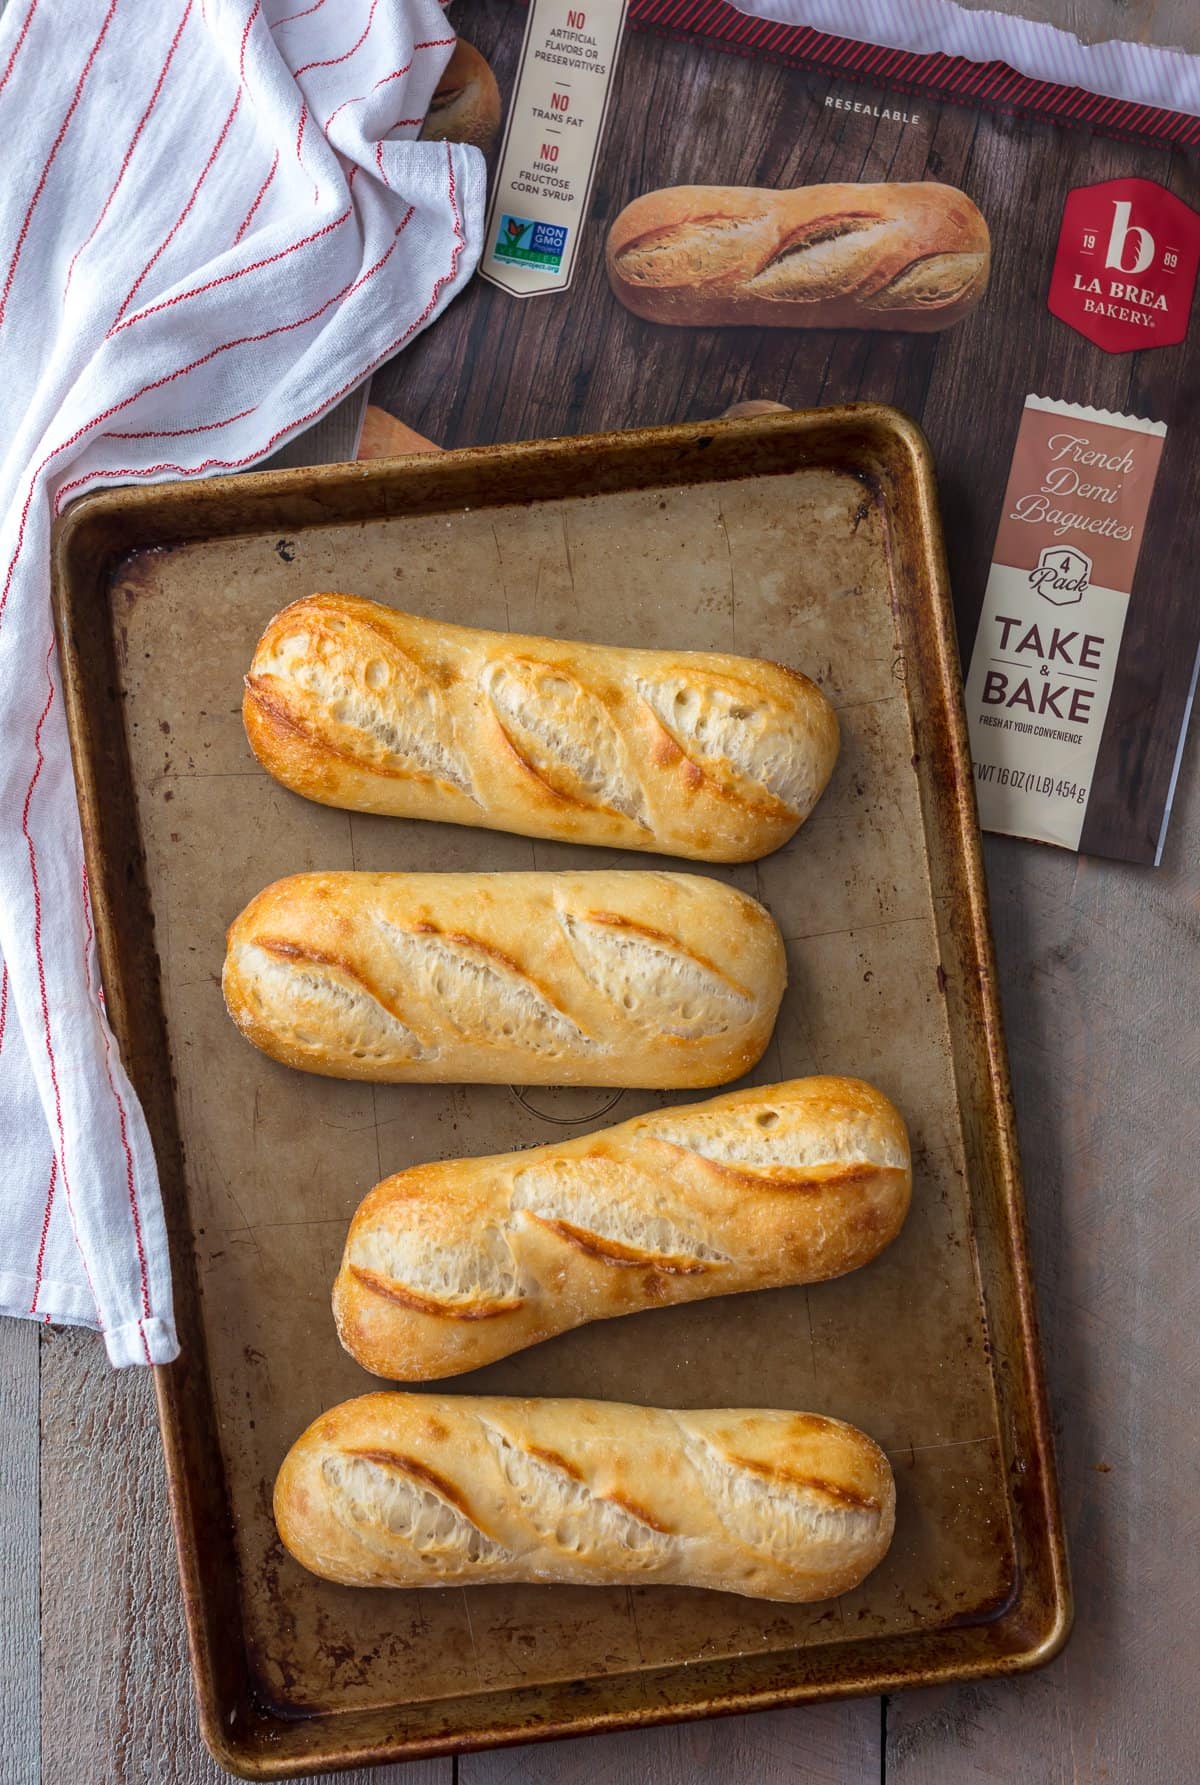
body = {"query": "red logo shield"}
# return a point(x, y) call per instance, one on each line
point(1125, 267)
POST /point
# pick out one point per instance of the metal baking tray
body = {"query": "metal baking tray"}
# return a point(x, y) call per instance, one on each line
point(812, 538)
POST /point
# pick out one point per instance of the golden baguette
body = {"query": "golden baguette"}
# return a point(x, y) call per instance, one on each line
point(609, 978)
point(450, 1266)
point(901, 255)
point(698, 754)
point(397, 1490)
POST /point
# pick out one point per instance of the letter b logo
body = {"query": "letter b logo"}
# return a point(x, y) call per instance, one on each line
point(1126, 264)
point(1120, 237)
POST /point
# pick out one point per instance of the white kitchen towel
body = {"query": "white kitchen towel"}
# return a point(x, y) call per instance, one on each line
point(214, 221)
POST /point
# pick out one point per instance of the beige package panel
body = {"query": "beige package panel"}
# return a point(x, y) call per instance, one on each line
point(551, 144)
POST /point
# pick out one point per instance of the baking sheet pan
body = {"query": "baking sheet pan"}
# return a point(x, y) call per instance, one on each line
point(809, 538)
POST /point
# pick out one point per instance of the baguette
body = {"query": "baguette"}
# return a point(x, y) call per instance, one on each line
point(585, 979)
point(450, 1266)
point(893, 256)
point(465, 107)
point(400, 1490)
point(713, 757)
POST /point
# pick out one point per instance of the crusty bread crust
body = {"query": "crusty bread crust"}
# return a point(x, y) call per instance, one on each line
point(697, 754)
point(465, 107)
point(397, 1490)
point(609, 978)
point(901, 255)
point(450, 1266)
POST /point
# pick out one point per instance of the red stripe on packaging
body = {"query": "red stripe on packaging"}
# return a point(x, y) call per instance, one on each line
point(934, 76)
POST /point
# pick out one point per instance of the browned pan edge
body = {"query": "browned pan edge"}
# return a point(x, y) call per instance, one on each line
point(888, 452)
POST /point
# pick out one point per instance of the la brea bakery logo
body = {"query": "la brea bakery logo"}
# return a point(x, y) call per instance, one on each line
point(1126, 264)
point(1061, 575)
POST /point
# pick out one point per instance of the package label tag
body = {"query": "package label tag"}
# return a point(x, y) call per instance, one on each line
point(551, 144)
point(1045, 655)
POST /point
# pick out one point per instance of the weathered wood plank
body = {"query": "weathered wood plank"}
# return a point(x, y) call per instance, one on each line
point(417, 1772)
point(1098, 969)
point(829, 1744)
point(19, 1551)
point(116, 1695)
point(116, 1688)
point(1174, 23)
point(1164, 22)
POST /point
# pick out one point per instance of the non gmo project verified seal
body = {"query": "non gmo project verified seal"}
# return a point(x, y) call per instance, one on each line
point(520, 242)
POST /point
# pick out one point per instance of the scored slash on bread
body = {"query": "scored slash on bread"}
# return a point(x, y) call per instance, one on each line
point(696, 754)
point(429, 1491)
point(449, 1266)
point(605, 978)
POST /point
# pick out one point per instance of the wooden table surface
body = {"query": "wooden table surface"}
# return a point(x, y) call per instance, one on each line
point(1098, 967)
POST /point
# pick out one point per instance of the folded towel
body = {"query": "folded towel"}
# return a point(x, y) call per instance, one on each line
point(215, 221)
